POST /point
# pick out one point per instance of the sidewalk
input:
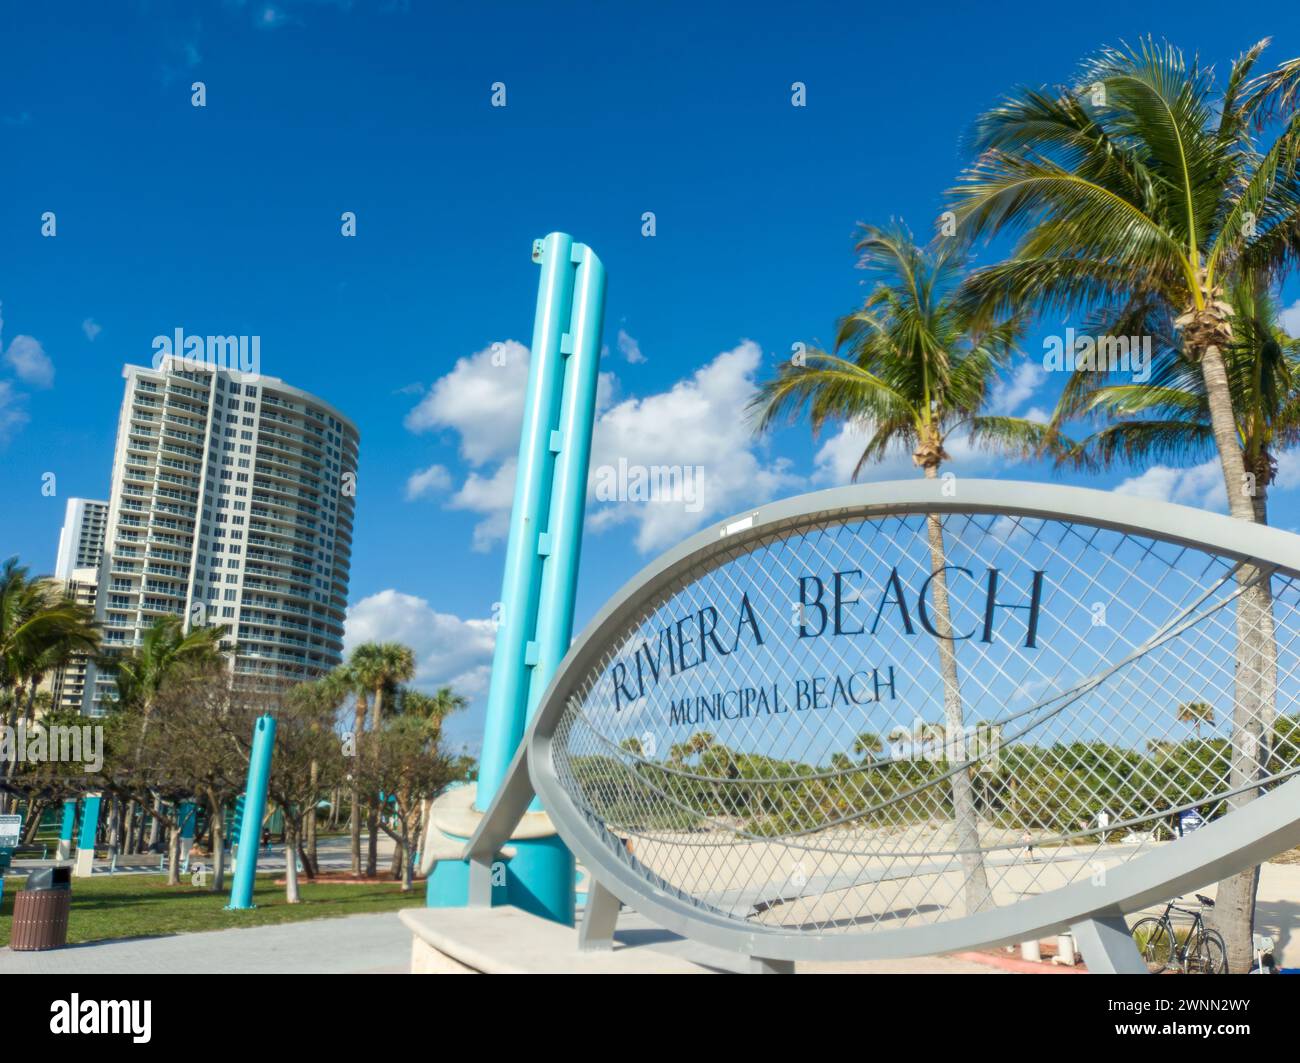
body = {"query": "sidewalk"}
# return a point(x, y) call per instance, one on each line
point(357, 944)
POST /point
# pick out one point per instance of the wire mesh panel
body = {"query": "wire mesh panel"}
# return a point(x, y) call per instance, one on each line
point(874, 722)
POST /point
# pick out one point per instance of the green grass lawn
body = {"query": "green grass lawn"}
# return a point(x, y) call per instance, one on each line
point(126, 906)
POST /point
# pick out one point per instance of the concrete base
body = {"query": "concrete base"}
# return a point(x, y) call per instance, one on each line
point(64, 850)
point(84, 865)
point(511, 941)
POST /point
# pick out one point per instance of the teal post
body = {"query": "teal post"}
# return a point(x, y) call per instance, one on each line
point(66, 829)
point(259, 775)
point(521, 582)
point(539, 583)
point(562, 543)
point(84, 865)
point(189, 816)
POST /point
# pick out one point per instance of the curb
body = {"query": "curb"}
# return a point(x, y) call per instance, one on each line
point(1014, 965)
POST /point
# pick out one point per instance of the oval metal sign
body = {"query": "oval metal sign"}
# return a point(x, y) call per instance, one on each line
point(888, 720)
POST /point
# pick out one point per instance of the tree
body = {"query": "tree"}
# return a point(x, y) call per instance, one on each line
point(200, 744)
point(307, 760)
point(1143, 189)
point(40, 629)
point(867, 745)
point(1167, 417)
point(432, 710)
point(405, 763)
point(167, 653)
point(383, 666)
point(353, 678)
point(919, 367)
point(1196, 712)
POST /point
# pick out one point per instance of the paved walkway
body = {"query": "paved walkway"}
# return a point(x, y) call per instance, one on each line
point(357, 944)
point(379, 943)
point(334, 853)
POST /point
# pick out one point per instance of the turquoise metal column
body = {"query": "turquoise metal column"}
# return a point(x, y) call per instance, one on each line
point(189, 816)
point(542, 874)
point(541, 563)
point(66, 828)
point(508, 688)
point(562, 543)
point(259, 774)
point(85, 862)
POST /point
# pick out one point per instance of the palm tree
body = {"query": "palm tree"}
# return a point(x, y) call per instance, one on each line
point(867, 745)
point(166, 654)
point(166, 650)
point(40, 629)
point(381, 667)
point(432, 708)
point(322, 697)
point(1196, 712)
point(919, 367)
point(354, 678)
point(1144, 191)
point(1167, 418)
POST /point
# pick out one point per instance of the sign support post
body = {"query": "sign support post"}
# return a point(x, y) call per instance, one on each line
point(541, 567)
point(66, 828)
point(85, 861)
point(259, 775)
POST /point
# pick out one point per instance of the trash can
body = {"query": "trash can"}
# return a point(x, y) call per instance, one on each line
point(41, 911)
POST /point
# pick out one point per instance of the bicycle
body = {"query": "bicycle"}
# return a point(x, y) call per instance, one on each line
point(1202, 951)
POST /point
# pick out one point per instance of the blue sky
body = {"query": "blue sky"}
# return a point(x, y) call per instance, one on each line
point(225, 219)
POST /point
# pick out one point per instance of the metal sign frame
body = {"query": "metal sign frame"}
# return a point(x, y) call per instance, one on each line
point(1268, 825)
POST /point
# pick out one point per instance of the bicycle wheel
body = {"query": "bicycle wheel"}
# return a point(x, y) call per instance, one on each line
point(1208, 954)
point(1155, 940)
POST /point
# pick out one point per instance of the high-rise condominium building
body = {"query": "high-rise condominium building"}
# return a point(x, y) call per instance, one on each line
point(81, 541)
point(67, 683)
point(232, 503)
point(76, 575)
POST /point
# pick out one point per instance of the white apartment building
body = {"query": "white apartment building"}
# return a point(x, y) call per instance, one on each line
point(232, 503)
point(67, 683)
point(81, 540)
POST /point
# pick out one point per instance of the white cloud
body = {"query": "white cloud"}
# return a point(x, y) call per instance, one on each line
point(1291, 319)
point(491, 496)
point(12, 414)
point(1008, 394)
point(834, 462)
point(448, 650)
point(426, 482)
point(30, 362)
point(91, 328)
point(482, 400)
point(700, 422)
point(1201, 485)
point(629, 348)
point(271, 17)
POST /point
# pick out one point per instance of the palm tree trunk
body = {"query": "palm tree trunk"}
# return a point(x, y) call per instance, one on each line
point(1255, 683)
point(358, 726)
point(372, 843)
point(356, 830)
point(966, 836)
point(372, 817)
point(310, 827)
